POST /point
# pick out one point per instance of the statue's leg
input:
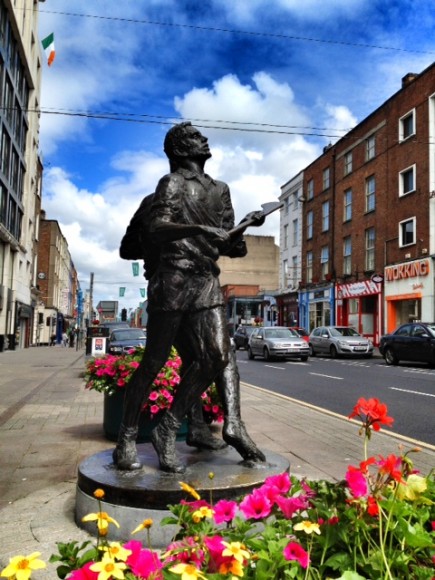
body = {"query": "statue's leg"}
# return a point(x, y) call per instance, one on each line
point(161, 329)
point(234, 430)
point(199, 434)
point(203, 347)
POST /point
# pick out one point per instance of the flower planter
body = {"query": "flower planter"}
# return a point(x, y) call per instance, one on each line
point(113, 408)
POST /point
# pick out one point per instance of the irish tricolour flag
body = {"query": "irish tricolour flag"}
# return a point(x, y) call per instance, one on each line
point(48, 46)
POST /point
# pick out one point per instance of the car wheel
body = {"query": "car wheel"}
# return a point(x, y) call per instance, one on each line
point(312, 353)
point(237, 346)
point(333, 352)
point(390, 357)
point(250, 355)
point(266, 353)
point(304, 358)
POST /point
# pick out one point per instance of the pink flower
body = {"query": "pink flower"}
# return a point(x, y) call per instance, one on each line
point(120, 382)
point(224, 511)
point(256, 505)
point(281, 482)
point(294, 551)
point(153, 396)
point(185, 551)
point(357, 482)
point(290, 505)
point(154, 409)
point(143, 563)
point(84, 573)
point(215, 548)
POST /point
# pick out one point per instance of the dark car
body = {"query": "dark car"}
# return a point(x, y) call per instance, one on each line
point(414, 341)
point(122, 340)
point(241, 336)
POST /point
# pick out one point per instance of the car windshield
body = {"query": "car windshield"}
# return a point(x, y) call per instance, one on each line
point(344, 331)
point(279, 333)
point(431, 328)
point(300, 331)
point(128, 334)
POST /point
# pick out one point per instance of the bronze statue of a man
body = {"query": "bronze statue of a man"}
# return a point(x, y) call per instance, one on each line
point(189, 218)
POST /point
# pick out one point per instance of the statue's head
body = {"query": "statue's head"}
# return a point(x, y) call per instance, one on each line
point(184, 140)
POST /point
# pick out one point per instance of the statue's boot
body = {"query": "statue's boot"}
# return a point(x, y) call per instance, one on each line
point(163, 438)
point(199, 434)
point(234, 431)
point(125, 453)
point(235, 434)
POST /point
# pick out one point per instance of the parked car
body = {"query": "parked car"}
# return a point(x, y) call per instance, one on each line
point(112, 324)
point(339, 341)
point(301, 332)
point(411, 342)
point(124, 339)
point(277, 341)
point(241, 336)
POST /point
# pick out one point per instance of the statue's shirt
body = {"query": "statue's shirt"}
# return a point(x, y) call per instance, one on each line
point(187, 275)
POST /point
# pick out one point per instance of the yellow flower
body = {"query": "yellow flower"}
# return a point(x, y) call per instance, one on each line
point(415, 485)
point(99, 493)
point(145, 525)
point(203, 512)
point(236, 550)
point(307, 527)
point(211, 475)
point(103, 520)
point(186, 487)
point(117, 550)
point(231, 567)
point(187, 571)
point(108, 568)
point(22, 566)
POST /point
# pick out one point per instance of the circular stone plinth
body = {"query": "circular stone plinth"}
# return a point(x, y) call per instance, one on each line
point(151, 488)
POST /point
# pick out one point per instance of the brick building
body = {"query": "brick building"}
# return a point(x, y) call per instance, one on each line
point(368, 237)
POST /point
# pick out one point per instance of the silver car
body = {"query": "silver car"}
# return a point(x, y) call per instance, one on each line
point(277, 342)
point(339, 341)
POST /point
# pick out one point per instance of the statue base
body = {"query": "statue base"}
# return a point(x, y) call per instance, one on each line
point(132, 496)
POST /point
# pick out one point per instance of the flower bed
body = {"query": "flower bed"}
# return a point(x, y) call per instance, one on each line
point(378, 523)
point(110, 374)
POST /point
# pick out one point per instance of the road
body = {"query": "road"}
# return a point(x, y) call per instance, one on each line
point(336, 385)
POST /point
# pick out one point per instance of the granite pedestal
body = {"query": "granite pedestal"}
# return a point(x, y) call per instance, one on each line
point(132, 496)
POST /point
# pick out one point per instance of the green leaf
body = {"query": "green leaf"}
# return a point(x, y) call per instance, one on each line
point(351, 576)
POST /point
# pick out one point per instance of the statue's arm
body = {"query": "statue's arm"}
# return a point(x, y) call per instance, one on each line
point(166, 225)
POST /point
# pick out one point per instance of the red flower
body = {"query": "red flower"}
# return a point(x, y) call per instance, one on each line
point(372, 413)
point(372, 506)
point(391, 466)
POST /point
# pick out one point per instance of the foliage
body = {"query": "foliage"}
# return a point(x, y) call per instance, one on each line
point(379, 522)
point(110, 373)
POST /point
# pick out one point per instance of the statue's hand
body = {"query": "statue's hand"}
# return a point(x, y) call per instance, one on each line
point(216, 235)
point(257, 217)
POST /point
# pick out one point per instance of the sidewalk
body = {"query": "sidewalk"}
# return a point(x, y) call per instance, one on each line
point(49, 423)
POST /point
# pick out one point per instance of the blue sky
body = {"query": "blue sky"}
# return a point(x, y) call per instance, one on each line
point(297, 74)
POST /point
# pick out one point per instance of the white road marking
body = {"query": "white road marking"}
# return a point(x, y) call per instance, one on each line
point(327, 376)
point(272, 367)
point(412, 392)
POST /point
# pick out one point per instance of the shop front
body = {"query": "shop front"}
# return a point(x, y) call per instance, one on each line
point(288, 309)
point(359, 304)
point(316, 307)
point(409, 293)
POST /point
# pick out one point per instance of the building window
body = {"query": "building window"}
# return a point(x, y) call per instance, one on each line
point(310, 218)
point(407, 233)
point(286, 205)
point(370, 249)
point(285, 273)
point(285, 236)
point(347, 256)
point(309, 267)
point(370, 193)
point(295, 232)
point(324, 261)
point(326, 178)
point(348, 159)
point(294, 272)
point(407, 126)
point(407, 181)
point(370, 148)
point(325, 216)
point(310, 189)
point(347, 205)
